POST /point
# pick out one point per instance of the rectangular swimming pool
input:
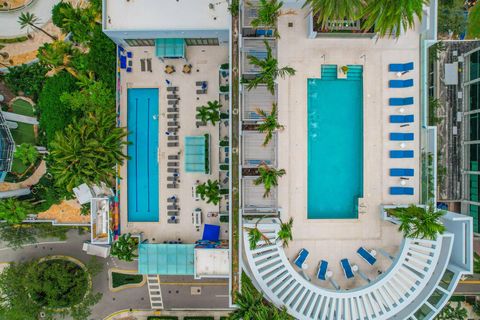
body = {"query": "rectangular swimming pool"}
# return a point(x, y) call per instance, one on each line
point(335, 144)
point(142, 167)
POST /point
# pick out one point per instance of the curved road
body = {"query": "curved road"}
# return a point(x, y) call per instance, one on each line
point(136, 298)
point(9, 20)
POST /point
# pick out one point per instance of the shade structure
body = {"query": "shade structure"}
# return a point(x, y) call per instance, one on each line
point(173, 48)
point(211, 232)
point(195, 153)
point(166, 259)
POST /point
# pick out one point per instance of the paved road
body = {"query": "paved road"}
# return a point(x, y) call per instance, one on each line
point(177, 291)
point(111, 301)
point(468, 287)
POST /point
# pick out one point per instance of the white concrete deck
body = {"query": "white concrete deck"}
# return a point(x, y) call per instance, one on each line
point(205, 63)
point(333, 240)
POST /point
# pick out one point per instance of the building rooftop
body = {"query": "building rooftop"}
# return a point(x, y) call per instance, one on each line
point(150, 15)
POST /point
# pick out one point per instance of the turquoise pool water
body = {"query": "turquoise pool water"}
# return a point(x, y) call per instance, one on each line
point(335, 144)
point(142, 167)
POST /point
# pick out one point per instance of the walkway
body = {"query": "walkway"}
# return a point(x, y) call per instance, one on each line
point(143, 314)
point(40, 8)
point(19, 118)
point(30, 181)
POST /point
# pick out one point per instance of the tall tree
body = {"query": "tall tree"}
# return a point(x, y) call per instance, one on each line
point(268, 13)
point(13, 210)
point(285, 232)
point(26, 153)
point(268, 177)
point(210, 112)
point(269, 123)
point(418, 222)
point(209, 191)
point(30, 20)
point(58, 56)
point(451, 313)
point(269, 71)
point(88, 150)
point(331, 10)
point(124, 248)
point(391, 17)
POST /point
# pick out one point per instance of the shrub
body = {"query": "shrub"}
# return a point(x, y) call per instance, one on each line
point(162, 317)
point(101, 58)
point(198, 318)
point(13, 210)
point(95, 96)
point(224, 218)
point(46, 194)
point(26, 78)
point(54, 115)
point(60, 12)
point(26, 153)
point(473, 28)
point(224, 167)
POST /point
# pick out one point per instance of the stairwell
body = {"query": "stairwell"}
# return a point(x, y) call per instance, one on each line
point(154, 291)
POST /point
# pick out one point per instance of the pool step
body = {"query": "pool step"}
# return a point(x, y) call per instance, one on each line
point(354, 73)
point(154, 291)
point(329, 72)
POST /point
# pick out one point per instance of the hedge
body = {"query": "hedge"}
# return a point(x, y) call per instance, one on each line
point(199, 318)
point(162, 317)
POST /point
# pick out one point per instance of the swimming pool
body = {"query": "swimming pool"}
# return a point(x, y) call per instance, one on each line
point(142, 167)
point(335, 144)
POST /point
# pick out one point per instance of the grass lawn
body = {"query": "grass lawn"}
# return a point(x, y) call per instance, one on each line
point(473, 28)
point(23, 107)
point(120, 279)
point(23, 134)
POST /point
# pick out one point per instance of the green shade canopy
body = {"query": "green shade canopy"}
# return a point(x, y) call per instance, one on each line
point(170, 48)
point(166, 259)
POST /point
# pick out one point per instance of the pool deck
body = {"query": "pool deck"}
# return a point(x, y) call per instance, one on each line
point(207, 60)
point(333, 240)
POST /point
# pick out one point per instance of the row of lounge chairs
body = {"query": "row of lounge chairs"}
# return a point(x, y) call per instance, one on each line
point(403, 120)
point(202, 87)
point(172, 115)
point(322, 272)
point(173, 209)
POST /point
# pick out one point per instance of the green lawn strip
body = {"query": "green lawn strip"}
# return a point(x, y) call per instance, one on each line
point(23, 107)
point(120, 279)
point(199, 318)
point(23, 134)
point(162, 317)
point(473, 26)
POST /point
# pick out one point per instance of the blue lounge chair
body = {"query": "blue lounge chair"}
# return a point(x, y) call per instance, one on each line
point(400, 191)
point(264, 33)
point(322, 270)
point(401, 172)
point(129, 54)
point(397, 154)
point(401, 118)
point(302, 256)
point(400, 83)
point(401, 136)
point(347, 269)
point(401, 101)
point(123, 62)
point(367, 256)
point(129, 69)
point(400, 67)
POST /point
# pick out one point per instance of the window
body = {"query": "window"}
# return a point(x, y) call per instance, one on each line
point(140, 42)
point(474, 96)
point(201, 41)
point(475, 65)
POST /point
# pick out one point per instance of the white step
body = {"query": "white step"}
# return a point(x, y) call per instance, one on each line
point(154, 291)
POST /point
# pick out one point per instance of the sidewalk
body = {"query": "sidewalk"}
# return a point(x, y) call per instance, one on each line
point(143, 314)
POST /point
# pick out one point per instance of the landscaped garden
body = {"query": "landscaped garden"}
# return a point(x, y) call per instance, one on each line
point(121, 279)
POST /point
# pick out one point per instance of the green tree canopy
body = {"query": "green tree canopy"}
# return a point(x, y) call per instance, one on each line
point(28, 20)
point(101, 58)
point(26, 153)
point(269, 71)
point(451, 313)
point(124, 248)
point(328, 10)
point(473, 26)
point(285, 232)
point(54, 114)
point(88, 150)
point(391, 17)
point(269, 123)
point(209, 191)
point(13, 210)
point(28, 79)
point(210, 112)
point(96, 96)
point(268, 176)
point(418, 222)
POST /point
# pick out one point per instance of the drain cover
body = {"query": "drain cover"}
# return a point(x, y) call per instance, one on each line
point(195, 291)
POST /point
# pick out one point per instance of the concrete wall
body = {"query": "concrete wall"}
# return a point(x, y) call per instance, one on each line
point(462, 252)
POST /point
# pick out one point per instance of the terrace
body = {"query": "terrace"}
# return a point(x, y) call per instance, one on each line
point(205, 61)
point(258, 98)
point(253, 201)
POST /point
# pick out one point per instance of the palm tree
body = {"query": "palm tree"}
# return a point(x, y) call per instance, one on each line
point(267, 15)
point(255, 235)
point(58, 56)
point(13, 210)
point(451, 313)
point(418, 222)
point(248, 305)
point(269, 177)
point(210, 191)
point(210, 112)
point(285, 232)
point(269, 124)
point(28, 19)
point(269, 70)
point(124, 248)
point(88, 150)
point(328, 10)
point(476, 263)
point(26, 153)
point(389, 17)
